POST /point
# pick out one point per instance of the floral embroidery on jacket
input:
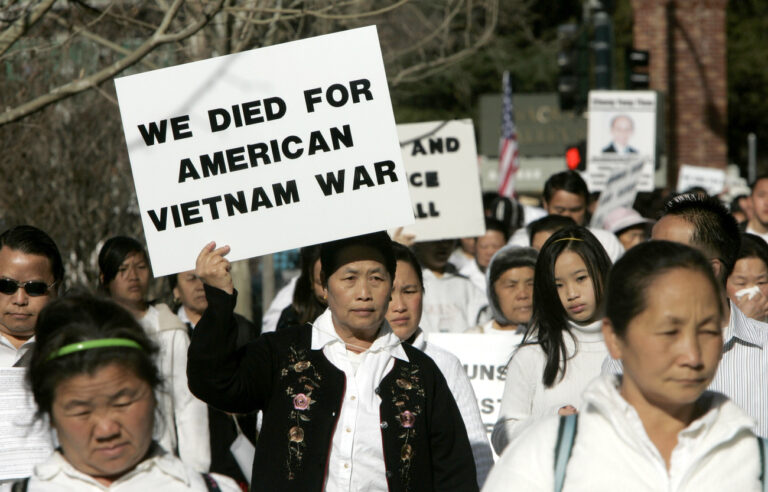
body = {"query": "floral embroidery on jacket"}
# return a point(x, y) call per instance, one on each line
point(302, 379)
point(408, 392)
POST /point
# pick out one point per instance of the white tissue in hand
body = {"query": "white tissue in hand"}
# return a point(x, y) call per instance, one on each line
point(750, 292)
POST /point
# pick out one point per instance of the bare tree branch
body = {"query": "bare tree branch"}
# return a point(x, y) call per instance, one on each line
point(22, 24)
point(158, 38)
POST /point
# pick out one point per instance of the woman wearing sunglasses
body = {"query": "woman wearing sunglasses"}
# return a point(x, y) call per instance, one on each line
point(124, 276)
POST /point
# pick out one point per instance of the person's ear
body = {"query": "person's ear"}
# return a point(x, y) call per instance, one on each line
point(176, 294)
point(101, 279)
point(612, 340)
point(717, 267)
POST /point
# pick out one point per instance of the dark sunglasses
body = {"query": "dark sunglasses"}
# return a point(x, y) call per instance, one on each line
point(33, 288)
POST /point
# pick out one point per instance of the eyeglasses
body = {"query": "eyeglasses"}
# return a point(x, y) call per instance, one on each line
point(33, 288)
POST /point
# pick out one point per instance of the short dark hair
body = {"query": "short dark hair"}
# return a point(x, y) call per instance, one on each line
point(492, 224)
point(633, 273)
point(569, 181)
point(32, 241)
point(753, 246)
point(549, 223)
point(78, 318)
point(404, 253)
point(549, 320)
point(113, 254)
point(714, 229)
point(379, 241)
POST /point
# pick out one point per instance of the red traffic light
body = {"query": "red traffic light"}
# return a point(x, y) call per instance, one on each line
point(573, 158)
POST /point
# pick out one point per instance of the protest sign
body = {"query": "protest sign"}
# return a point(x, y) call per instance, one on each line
point(265, 150)
point(621, 131)
point(485, 358)
point(620, 191)
point(711, 179)
point(440, 160)
point(24, 442)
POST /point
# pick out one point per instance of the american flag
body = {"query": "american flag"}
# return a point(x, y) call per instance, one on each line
point(508, 155)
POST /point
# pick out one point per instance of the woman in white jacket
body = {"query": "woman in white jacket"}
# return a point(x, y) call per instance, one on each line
point(655, 428)
point(124, 276)
point(562, 349)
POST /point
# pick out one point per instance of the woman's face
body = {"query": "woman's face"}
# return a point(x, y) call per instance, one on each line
point(190, 292)
point(574, 286)
point(404, 312)
point(104, 421)
point(514, 289)
point(131, 283)
point(748, 272)
point(359, 290)
point(670, 351)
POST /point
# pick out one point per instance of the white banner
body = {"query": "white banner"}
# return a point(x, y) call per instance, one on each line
point(441, 162)
point(620, 191)
point(709, 178)
point(265, 150)
point(620, 132)
point(485, 358)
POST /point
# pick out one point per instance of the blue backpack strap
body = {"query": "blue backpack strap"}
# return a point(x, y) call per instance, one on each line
point(763, 445)
point(210, 483)
point(566, 434)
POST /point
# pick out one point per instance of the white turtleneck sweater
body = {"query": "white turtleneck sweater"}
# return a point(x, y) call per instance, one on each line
point(526, 397)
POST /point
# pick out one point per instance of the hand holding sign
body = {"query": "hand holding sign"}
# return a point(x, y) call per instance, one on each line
point(213, 269)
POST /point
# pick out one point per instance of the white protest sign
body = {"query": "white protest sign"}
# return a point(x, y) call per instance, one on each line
point(440, 160)
point(485, 358)
point(24, 442)
point(265, 150)
point(709, 178)
point(620, 191)
point(621, 131)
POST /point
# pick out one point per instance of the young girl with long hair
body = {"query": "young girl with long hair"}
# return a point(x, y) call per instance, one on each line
point(562, 349)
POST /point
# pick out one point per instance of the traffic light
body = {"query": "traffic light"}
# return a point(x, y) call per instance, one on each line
point(573, 64)
point(638, 77)
point(576, 156)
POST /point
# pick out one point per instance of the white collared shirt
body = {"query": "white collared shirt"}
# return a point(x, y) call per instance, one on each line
point(161, 472)
point(356, 462)
point(182, 314)
point(9, 354)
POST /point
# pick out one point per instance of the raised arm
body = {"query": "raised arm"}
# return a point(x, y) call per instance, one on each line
point(218, 373)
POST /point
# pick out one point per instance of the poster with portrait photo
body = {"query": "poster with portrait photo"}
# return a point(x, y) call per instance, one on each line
point(621, 131)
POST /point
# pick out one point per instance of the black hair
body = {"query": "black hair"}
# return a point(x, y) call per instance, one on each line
point(403, 253)
point(78, 318)
point(549, 223)
point(715, 231)
point(509, 212)
point(735, 206)
point(32, 241)
point(379, 241)
point(629, 279)
point(489, 197)
point(698, 190)
point(305, 302)
point(549, 320)
point(492, 224)
point(569, 181)
point(113, 254)
point(753, 246)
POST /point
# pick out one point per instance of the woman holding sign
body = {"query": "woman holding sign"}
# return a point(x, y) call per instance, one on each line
point(125, 278)
point(346, 405)
point(656, 427)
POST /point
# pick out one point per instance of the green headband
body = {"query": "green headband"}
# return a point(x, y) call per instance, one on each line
point(566, 239)
point(92, 344)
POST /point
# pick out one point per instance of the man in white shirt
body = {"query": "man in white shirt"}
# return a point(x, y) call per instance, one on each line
point(31, 271)
point(703, 223)
point(758, 224)
point(452, 303)
point(566, 194)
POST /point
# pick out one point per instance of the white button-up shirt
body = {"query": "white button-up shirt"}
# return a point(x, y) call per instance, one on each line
point(9, 354)
point(356, 462)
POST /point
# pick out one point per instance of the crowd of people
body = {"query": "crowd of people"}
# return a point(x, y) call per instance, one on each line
point(643, 359)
